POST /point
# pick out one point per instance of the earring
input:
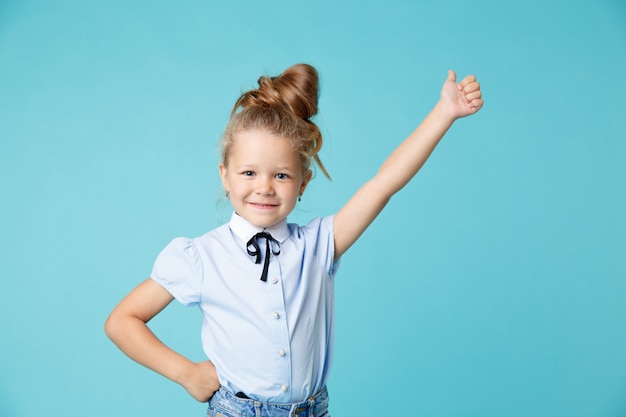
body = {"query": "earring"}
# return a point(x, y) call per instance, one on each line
point(300, 197)
point(227, 194)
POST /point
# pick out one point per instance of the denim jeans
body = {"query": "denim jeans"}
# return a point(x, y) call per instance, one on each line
point(225, 404)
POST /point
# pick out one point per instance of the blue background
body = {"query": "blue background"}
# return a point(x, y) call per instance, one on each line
point(494, 284)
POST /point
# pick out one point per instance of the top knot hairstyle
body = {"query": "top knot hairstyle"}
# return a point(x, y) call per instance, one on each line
point(282, 106)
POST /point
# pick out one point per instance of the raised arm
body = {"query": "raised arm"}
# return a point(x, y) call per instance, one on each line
point(457, 100)
point(127, 328)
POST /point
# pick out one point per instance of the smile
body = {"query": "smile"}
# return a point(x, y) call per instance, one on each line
point(263, 205)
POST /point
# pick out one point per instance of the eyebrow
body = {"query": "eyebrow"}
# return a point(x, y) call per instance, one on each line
point(277, 168)
point(286, 168)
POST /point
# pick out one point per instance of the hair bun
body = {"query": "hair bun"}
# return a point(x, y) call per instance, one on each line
point(297, 88)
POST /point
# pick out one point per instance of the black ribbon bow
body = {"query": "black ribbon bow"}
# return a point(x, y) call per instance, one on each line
point(256, 251)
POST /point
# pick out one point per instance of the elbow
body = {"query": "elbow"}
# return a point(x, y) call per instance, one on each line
point(111, 326)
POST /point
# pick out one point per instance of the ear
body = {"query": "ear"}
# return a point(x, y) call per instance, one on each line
point(223, 175)
point(305, 181)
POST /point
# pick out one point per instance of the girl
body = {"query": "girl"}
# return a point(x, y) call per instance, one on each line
point(265, 286)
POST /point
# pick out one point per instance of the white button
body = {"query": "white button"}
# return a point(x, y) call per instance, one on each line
point(274, 280)
point(282, 352)
point(284, 388)
point(276, 315)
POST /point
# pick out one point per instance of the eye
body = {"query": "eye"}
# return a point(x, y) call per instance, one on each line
point(282, 176)
point(247, 173)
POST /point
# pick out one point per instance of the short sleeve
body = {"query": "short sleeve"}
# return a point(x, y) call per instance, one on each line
point(178, 269)
point(325, 243)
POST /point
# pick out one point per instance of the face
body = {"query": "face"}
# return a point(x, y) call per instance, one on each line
point(264, 177)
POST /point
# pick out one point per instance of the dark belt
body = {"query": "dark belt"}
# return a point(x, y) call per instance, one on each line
point(242, 395)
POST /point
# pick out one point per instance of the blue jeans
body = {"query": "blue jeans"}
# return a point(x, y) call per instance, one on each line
point(225, 404)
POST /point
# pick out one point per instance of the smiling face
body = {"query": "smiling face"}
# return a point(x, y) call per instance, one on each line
point(264, 177)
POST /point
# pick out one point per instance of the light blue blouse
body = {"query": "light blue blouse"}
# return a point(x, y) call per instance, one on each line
point(271, 340)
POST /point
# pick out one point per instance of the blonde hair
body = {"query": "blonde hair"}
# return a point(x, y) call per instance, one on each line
point(282, 106)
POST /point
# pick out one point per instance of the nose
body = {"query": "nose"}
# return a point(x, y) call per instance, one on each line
point(264, 187)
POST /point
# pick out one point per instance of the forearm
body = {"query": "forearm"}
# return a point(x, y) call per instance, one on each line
point(127, 328)
point(456, 101)
point(395, 173)
point(133, 337)
point(410, 156)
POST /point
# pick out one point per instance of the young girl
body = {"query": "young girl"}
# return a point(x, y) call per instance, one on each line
point(265, 286)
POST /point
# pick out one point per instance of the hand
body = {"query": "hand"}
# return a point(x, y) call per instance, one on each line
point(462, 99)
point(201, 381)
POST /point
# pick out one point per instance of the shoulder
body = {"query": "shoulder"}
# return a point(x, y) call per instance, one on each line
point(317, 233)
point(315, 226)
point(316, 241)
point(189, 246)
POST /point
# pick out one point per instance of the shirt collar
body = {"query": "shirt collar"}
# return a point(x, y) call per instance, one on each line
point(244, 230)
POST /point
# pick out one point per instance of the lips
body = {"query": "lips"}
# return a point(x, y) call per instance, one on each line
point(263, 205)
